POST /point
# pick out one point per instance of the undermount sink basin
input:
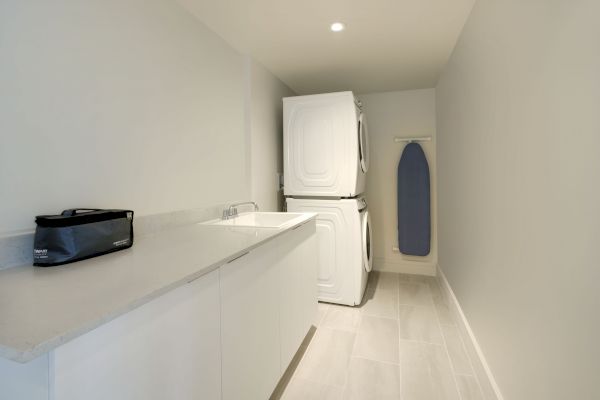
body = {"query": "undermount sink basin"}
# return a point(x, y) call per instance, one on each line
point(259, 220)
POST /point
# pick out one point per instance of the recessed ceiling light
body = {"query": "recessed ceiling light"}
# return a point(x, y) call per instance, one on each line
point(337, 27)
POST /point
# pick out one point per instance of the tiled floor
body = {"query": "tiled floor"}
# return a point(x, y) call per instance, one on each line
point(401, 343)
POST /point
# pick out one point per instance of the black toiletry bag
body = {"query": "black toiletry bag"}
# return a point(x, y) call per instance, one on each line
point(80, 233)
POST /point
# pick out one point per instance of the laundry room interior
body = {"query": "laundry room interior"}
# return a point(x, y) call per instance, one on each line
point(316, 200)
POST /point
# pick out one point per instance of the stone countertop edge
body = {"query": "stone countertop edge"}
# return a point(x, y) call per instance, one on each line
point(38, 349)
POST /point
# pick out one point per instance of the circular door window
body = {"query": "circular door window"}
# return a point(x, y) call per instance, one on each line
point(367, 248)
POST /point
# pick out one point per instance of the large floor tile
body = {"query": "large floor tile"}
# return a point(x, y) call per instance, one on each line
point(443, 312)
point(327, 357)
point(414, 294)
point(377, 339)
point(382, 281)
point(360, 353)
point(303, 389)
point(468, 387)
point(369, 380)
point(437, 292)
point(424, 356)
point(426, 373)
point(414, 355)
point(441, 304)
point(416, 385)
point(380, 303)
point(422, 385)
point(458, 355)
point(321, 311)
point(442, 378)
point(342, 317)
point(419, 323)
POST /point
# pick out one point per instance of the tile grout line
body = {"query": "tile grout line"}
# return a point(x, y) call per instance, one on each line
point(464, 348)
point(437, 317)
point(327, 307)
point(473, 376)
point(354, 309)
point(345, 388)
point(422, 342)
point(377, 316)
point(333, 385)
point(400, 368)
point(308, 348)
point(376, 361)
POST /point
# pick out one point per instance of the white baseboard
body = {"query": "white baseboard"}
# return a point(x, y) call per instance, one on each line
point(414, 267)
point(488, 384)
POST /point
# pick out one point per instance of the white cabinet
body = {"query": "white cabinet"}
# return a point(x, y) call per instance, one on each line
point(166, 349)
point(268, 302)
point(24, 381)
point(227, 335)
point(298, 290)
point(250, 324)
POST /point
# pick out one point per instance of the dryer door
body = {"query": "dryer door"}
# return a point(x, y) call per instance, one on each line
point(367, 246)
point(363, 143)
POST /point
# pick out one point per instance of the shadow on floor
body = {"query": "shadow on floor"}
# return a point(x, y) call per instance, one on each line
point(289, 372)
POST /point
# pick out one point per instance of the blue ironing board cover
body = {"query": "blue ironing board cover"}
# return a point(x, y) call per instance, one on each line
point(414, 202)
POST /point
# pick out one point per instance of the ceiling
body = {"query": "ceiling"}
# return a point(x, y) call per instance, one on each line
point(387, 44)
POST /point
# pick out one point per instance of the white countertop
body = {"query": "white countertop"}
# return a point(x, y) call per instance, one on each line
point(42, 308)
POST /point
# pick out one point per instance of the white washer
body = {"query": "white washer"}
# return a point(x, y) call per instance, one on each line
point(345, 247)
point(325, 145)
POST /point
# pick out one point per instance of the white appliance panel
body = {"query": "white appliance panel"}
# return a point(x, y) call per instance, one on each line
point(325, 146)
point(315, 145)
point(342, 276)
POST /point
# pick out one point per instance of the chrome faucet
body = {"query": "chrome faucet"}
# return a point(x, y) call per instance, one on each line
point(232, 212)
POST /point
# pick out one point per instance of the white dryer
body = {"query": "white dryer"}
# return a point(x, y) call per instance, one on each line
point(325, 145)
point(345, 247)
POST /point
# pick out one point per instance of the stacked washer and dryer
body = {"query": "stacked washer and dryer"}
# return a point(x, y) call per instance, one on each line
point(326, 158)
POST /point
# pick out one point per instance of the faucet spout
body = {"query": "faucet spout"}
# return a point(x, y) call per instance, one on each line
point(232, 210)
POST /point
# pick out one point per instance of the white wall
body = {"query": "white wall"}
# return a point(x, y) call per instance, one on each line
point(107, 103)
point(265, 135)
point(518, 141)
point(405, 114)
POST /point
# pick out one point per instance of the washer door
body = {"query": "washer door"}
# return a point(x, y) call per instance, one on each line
point(367, 248)
point(363, 143)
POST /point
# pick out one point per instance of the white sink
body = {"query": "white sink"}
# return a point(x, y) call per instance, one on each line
point(259, 220)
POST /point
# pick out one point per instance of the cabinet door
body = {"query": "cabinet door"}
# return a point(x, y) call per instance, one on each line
point(250, 325)
point(298, 291)
point(166, 349)
point(24, 381)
